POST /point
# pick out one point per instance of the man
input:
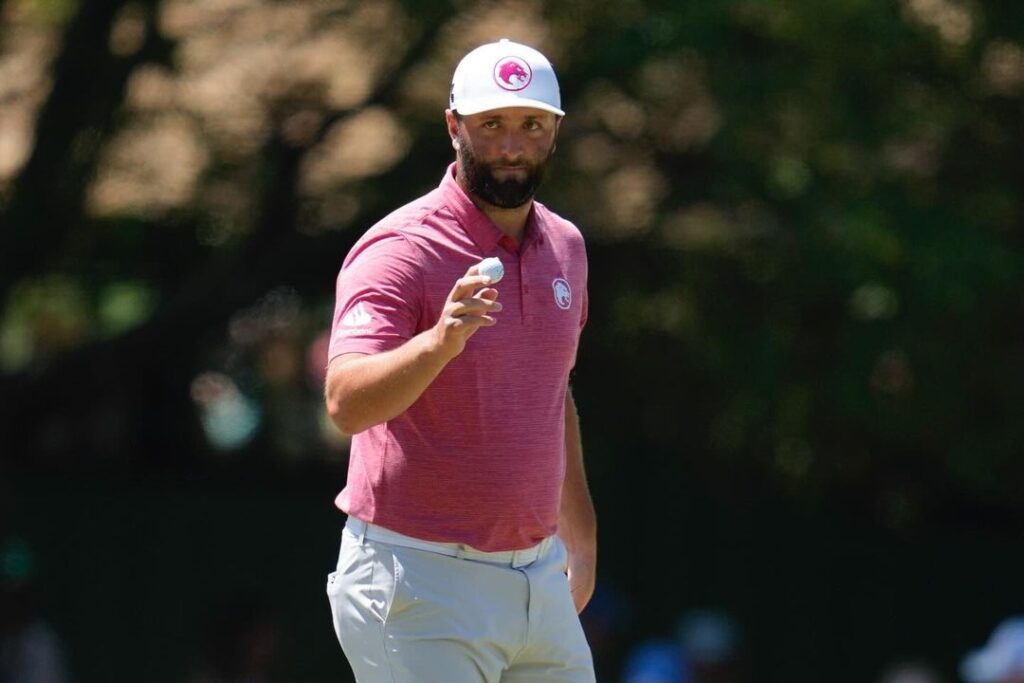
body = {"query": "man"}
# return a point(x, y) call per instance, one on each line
point(466, 456)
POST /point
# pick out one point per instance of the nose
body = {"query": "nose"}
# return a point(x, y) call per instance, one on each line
point(511, 146)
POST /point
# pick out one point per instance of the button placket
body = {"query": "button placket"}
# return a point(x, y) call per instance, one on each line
point(524, 288)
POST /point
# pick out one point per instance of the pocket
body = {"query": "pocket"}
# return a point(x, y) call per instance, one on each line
point(362, 581)
point(347, 551)
point(386, 579)
point(334, 582)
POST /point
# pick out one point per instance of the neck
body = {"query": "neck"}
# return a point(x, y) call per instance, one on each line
point(511, 222)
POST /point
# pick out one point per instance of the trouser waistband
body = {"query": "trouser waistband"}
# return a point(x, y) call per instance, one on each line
point(511, 558)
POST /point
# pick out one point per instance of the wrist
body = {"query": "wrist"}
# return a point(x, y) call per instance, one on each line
point(434, 348)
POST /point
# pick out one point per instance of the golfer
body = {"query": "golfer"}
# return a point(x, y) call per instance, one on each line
point(470, 545)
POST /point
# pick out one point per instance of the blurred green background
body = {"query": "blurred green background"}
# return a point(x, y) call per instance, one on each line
point(801, 383)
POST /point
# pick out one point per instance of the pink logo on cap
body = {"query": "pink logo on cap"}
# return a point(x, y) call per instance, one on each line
point(512, 73)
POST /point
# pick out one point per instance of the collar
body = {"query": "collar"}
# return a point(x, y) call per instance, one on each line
point(475, 222)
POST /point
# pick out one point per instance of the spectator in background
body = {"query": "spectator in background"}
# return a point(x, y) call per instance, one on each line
point(30, 651)
point(711, 640)
point(1001, 660)
point(657, 661)
point(706, 649)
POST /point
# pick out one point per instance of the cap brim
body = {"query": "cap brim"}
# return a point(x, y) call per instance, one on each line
point(505, 102)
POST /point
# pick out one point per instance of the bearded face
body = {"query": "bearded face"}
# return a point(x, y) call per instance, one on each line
point(509, 193)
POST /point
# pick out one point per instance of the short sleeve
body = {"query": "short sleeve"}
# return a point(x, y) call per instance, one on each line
point(377, 298)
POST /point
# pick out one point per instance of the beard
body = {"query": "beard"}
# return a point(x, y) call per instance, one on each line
point(506, 194)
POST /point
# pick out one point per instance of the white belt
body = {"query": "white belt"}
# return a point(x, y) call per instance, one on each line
point(512, 558)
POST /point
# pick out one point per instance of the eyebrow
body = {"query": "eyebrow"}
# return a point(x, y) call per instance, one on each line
point(528, 117)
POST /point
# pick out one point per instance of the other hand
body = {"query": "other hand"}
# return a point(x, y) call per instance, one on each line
point(582, 572)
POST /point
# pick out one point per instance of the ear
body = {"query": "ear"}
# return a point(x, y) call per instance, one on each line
point(452, 124)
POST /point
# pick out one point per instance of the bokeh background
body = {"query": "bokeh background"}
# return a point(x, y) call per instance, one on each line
point(801, 386)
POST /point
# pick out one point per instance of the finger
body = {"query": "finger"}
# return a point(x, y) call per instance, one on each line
point(469, 322)
point(474, 305)
point(470, 318)
point(575, 591)
point(580, 597)
point(466, 285)
point(490, 294)
point(581, 587)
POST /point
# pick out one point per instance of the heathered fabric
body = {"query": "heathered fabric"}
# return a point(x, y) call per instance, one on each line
point(479, 458)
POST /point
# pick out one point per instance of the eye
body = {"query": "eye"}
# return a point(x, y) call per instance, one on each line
point(491, 124)
point(532, 124)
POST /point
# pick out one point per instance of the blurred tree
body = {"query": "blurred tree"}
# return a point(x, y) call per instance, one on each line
point(804, 221)
point(806, 216)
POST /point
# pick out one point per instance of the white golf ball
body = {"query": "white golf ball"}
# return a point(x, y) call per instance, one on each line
point(492, 268)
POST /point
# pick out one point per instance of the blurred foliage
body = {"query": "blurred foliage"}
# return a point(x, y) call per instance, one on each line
point(804, 221)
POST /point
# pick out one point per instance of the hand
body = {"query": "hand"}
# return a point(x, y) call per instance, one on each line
point(464, 313)
point(582, 573)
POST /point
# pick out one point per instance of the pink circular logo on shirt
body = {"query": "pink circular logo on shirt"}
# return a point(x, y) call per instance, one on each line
point(563, 295)
point(512, 73)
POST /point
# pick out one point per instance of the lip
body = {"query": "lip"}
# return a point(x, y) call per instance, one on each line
point(510, 170)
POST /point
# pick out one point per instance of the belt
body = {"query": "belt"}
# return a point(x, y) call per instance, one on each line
point(511, 558)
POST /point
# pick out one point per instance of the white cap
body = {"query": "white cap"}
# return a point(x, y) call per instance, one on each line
point(504, 74)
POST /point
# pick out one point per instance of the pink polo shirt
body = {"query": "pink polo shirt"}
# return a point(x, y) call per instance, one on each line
point(479, 458)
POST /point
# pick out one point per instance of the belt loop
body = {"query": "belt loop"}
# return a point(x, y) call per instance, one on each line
point(460, 551)
point(361, 526)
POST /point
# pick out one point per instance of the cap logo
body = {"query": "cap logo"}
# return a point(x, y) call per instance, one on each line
point(512, 73)
point(563, 295)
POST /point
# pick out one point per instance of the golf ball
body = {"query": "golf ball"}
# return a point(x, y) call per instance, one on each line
point(492, 268)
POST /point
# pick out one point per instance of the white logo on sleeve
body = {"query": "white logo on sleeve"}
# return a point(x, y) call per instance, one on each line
point(356, 317)
point(563, 295)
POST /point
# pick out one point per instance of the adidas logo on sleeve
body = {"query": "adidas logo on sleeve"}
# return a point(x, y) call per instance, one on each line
point(356, 321)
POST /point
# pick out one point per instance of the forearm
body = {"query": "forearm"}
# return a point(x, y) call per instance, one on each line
point(577, 519)
point(367, 390)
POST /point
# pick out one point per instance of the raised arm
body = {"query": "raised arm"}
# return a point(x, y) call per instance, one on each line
point(363, 390)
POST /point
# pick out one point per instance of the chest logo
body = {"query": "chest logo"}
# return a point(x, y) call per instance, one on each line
point(563, 295)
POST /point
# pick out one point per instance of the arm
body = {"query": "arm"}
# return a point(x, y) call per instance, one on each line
point(365, 390)
point(577, 519)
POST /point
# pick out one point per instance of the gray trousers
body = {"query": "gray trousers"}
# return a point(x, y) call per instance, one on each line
point(411, 610)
